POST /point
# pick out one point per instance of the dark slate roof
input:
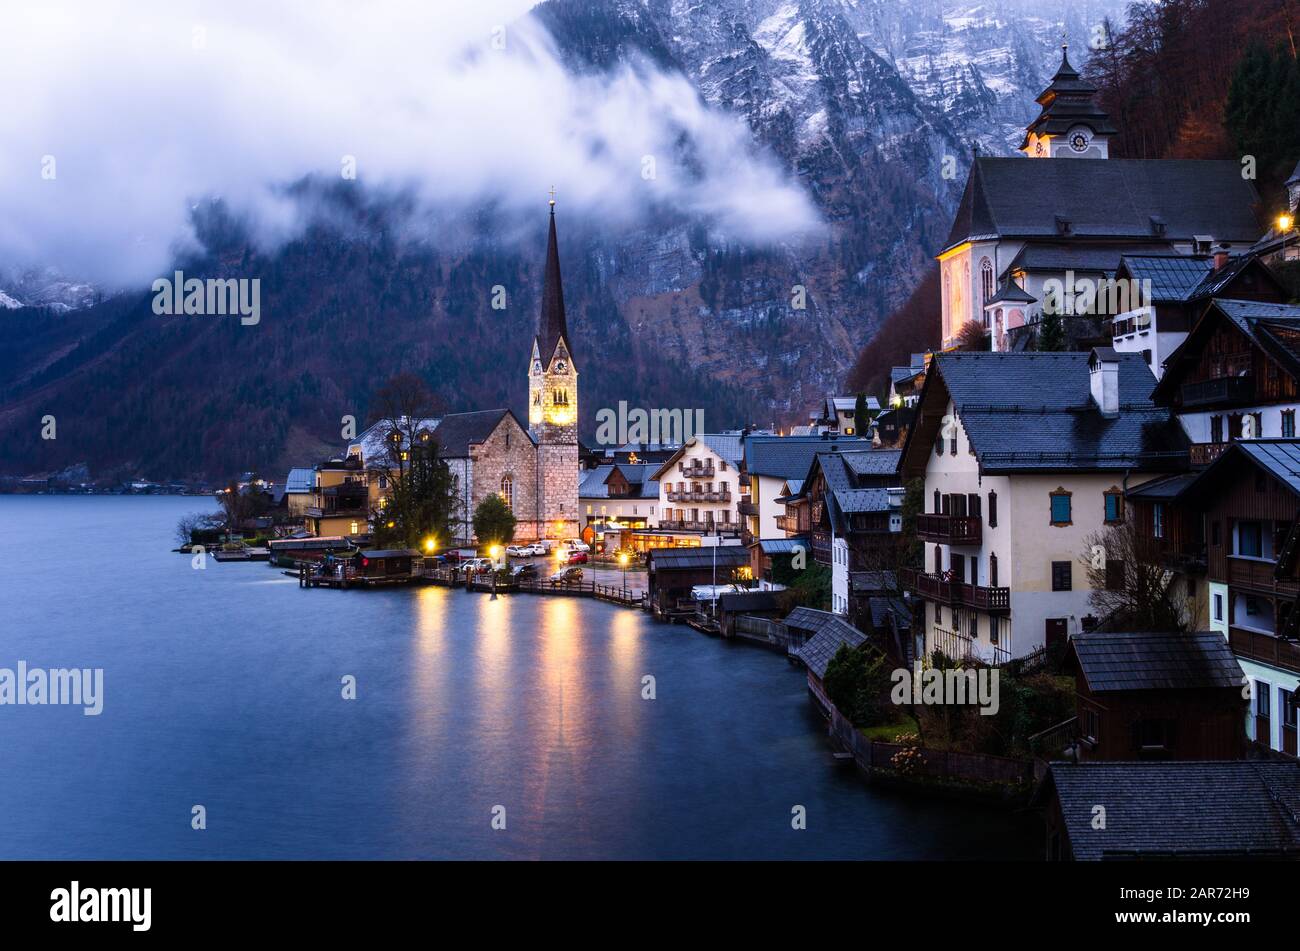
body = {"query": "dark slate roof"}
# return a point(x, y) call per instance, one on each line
point(902, 374)
point(1034, 411)
point(729, 556)
point(788, 457)
point(873, 580)
point(551, 326)
point(1165, 488)
point(1011, 293)
point(1100, 259)
point(780, 546)
point(1173, 277)
point(1224, 809)
point(393, 553)
point(730, 446)
point(457, 432)
point(1111, 198)
point(374, 439)
point(1068, 101)
point(1295, 175)
point(872, 461)
point(1156, 661)
point(828, 632)
point(887, 610)
point(734, 601)
point(862, 500)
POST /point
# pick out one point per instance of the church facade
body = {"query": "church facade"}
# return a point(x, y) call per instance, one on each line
point(1024, 227)
point(533, 466)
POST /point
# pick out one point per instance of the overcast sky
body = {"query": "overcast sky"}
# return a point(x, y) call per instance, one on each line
point(147, 106)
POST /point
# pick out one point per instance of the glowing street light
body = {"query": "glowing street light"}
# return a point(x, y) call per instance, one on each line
point(430, 544)
point(622, 561)
point(494, 551)
point(1284, 222)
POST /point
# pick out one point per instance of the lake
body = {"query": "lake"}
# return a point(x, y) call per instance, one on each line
point(223, 688)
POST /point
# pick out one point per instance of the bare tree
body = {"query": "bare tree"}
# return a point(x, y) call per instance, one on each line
point(1129, 584)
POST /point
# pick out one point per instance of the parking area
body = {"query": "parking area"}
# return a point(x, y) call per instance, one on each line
point(604, 573)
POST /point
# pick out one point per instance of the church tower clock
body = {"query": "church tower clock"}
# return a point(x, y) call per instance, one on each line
point(553, 406)
point(1071, 124)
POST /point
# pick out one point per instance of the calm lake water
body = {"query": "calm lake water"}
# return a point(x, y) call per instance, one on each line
point(222, 688)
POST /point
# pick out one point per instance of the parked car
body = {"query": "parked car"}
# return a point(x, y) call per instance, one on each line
point(568, 575)
point(519, 551)
point(577, 544)
point(526, 572)
point(576, 557)
point(476, 565)
point(536, 548)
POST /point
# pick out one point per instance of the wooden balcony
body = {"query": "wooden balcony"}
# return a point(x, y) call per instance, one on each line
point(1203, 453)
point(696, 470)
point(949, 529)
point(936, 588)
point(746, 507)
point(698, 495)
point(1219, 391)
point(1256, 576)
point(701, 525)
point(1265, 648)
point(789, 524)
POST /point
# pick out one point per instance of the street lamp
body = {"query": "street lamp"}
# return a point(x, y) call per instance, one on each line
point(494, 551)
point(1284, 223)
point(622, 561)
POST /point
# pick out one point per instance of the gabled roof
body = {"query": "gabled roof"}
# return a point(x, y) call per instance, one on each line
point(788, 457)
point(828, 632)
point(1280, 458)
point(1173, 277)
point(458, 431)
point(373, 441)
point(1074, 256)
point(729, 556)
point(1111, 198)
point(1207, 809)
point(1067, 102)
point(1274, 328)
point(889, 610)
point(727, 446)
point(595, 482)
point(1155, 661)
point(1033, 412)
point(779, 546)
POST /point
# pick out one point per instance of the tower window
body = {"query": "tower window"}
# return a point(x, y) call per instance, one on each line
point(508, 491)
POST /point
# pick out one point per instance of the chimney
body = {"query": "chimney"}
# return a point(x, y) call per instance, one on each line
point(1221, 257)
point(1103, 379)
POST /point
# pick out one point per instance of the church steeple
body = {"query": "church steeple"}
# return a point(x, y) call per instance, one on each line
point(551, 327)
point(1071, 124)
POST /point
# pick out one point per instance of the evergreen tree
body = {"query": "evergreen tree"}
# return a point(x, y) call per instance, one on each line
point(861, 418)
point(1051, 332)
point(494, 523)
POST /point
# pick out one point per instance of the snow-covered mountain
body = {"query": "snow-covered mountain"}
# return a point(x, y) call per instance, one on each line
point(46, 287)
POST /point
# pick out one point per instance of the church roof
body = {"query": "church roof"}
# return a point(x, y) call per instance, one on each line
point(458, 431)
point(1151, 201)
point(551, 326)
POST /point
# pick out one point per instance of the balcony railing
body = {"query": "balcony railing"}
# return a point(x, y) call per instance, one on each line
point(700, 495)
point(937, 588)
point(949, 529)
point(1265, 648)
point(788, 524)
point(747, 508)
point(700, 525)
point(1223, 389)
point(696, 470)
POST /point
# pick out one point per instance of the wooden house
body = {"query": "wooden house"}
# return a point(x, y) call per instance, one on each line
point(1166, 696)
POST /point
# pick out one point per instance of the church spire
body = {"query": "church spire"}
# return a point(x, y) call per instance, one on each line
point(551, 326)
point(1071, 123)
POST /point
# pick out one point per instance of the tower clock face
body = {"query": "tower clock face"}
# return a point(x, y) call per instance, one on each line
point(561, 366)
point(1038, 147)
point(1079, 140)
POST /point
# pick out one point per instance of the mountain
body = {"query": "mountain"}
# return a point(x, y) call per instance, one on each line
point(873, 106)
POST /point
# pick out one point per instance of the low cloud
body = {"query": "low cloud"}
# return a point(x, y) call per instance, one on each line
point(140, 110)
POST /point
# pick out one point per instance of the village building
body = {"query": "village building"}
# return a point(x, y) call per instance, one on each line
point(701, 490)
point(1235, 376)
point(339, 499)
point(1173, 291)
point(1221, 810)
point(815, 639)
point(838, 414)
point(1249, 499)
point(1025, 457)
point(775, 466)
point(1022, 225)
point(855, 515)
point(1163, 695)
point(618, 501)
point(672, 573)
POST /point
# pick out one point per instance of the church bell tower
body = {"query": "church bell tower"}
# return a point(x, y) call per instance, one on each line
point(553, 406)
point(1071, 124)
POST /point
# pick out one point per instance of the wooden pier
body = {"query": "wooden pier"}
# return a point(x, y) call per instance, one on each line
point(614, 594)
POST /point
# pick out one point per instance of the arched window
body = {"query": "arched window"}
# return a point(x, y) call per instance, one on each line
point(508, 491)
point(986, 281)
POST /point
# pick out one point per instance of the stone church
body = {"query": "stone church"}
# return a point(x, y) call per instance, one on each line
point(534, 468)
